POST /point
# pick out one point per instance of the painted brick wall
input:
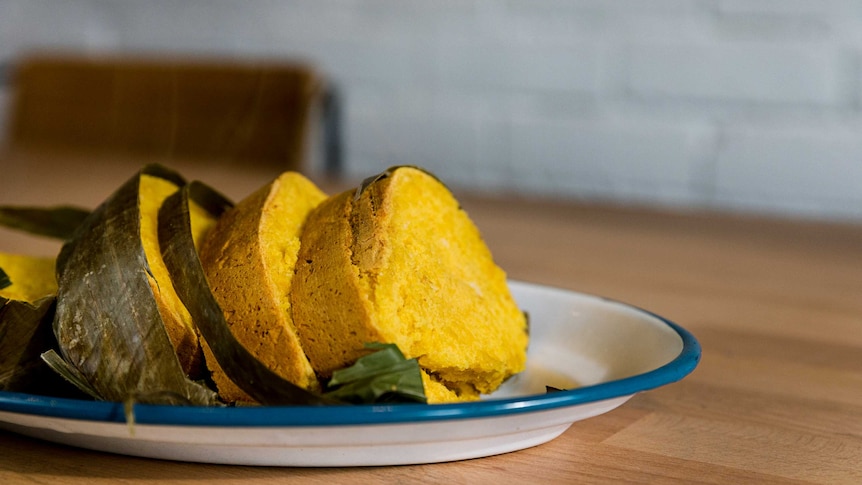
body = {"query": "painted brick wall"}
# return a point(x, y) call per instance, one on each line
point(749, 105)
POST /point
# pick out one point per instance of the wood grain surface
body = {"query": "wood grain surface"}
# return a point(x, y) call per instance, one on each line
point(776, 305)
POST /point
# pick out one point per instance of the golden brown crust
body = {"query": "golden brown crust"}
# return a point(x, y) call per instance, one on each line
point(248, 266)
point(333, 317)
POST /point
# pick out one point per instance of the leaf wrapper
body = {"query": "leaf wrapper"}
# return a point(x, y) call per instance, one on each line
point(108, 326)
point(54, 222)
point(25, 332)
point(187, 274)
point(27, 304)
point(384, 375)
point(5, 282)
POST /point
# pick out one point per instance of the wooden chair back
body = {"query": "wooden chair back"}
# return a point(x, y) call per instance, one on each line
point(220, 112)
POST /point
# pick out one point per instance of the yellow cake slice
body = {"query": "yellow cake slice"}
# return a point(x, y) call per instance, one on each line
point(249, 259)
point(399, 261)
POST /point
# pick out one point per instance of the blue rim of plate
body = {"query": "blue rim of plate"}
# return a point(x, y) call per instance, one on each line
point(367, 414)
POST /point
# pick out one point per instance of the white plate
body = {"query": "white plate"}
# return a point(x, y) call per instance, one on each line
point(603, 351)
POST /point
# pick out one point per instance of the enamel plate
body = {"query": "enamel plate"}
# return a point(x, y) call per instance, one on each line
point(601, 351)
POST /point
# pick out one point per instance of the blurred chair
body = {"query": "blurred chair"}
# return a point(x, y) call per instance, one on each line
point(218, 112)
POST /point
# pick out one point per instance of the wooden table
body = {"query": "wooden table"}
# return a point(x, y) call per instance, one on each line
point(776, 305)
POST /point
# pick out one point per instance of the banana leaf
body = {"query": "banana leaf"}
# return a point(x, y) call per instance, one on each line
point(27, 289)
point(4, 279)
point(108, 324)
point(383, 376)
point(187, 273)
point(25, 332)
point(54, 222)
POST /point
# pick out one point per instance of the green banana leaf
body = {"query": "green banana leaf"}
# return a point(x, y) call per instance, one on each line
point(382, 376)
point(108, 326)
point(54, 222)
point(25, 332)
point(5, 282)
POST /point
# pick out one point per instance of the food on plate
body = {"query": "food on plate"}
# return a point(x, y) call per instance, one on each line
point(168, 293)
point(399, 261)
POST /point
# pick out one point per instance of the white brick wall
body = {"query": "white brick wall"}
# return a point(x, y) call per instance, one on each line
point(805, 167)
point(739, 72)
point(744, 105)
point(632, 159)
